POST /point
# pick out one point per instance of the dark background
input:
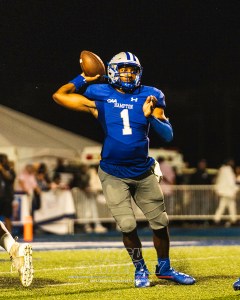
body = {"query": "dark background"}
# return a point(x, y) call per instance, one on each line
point(188, 49)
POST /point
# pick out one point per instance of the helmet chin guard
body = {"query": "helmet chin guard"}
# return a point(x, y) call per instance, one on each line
point(119, 60)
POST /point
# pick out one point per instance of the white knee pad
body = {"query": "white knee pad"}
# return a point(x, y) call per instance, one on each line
point(127, 223)
point(159, 221)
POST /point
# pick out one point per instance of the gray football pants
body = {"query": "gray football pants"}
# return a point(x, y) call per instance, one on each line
point(146, 193)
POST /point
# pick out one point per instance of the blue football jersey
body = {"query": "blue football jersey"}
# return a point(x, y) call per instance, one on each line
point(126, 144)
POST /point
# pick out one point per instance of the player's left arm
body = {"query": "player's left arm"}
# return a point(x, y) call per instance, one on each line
point(157, 119)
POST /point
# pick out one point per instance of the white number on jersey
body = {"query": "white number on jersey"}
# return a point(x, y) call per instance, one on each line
point(126, 124)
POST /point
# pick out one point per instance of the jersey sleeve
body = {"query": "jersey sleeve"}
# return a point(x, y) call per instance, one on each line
point(149, 90)
point(160, 99)
point(96, 92)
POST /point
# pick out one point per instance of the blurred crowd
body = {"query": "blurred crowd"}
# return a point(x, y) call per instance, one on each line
point(226, 181)
point(35, 178)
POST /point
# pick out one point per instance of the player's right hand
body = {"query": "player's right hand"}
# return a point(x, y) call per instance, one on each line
point(91, 79)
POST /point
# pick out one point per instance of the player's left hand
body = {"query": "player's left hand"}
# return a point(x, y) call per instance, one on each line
point(149, 105)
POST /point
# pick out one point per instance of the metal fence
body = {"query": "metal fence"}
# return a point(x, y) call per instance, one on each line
point(183, 202)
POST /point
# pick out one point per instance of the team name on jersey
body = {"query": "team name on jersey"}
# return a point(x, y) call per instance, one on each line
point(123, 105)
point(120, 105)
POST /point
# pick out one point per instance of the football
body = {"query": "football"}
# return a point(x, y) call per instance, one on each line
point(91, 64)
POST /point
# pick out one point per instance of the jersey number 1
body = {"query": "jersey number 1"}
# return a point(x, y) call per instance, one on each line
point(126, 124)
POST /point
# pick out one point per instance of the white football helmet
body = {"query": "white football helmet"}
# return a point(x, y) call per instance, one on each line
point(124, 59)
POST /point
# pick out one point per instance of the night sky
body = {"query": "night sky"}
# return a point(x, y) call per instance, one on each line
point(189, 49)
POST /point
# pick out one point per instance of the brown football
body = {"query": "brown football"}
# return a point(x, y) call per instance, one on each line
point(91, 64)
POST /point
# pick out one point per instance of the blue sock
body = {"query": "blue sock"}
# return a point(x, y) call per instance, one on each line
point(139, 264)
point(164, 264)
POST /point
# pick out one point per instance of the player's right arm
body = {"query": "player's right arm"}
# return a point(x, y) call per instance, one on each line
point(67, 97)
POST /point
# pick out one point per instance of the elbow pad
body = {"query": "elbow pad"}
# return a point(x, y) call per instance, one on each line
point(162, 127)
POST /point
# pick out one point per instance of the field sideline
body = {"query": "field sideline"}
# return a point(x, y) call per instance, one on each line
point(108, 274)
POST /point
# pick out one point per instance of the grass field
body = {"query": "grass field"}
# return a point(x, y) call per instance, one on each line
point(108, 274)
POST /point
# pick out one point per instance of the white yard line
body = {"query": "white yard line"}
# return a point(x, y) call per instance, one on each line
point(66, 284)
point(119, 265)
point(76, 268)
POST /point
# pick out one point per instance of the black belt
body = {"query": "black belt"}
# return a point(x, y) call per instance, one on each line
point(144, 175)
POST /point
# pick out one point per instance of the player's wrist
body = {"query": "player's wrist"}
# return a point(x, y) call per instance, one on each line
point(78, 82)
point(149, 117)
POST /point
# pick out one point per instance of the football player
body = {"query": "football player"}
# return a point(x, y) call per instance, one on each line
point(126, 110)
point(20, 254)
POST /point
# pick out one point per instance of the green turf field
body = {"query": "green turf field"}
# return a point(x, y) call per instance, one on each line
point(108, 274)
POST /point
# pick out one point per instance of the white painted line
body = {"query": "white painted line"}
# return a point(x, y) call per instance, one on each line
point(66, 284)
point(120, 265)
